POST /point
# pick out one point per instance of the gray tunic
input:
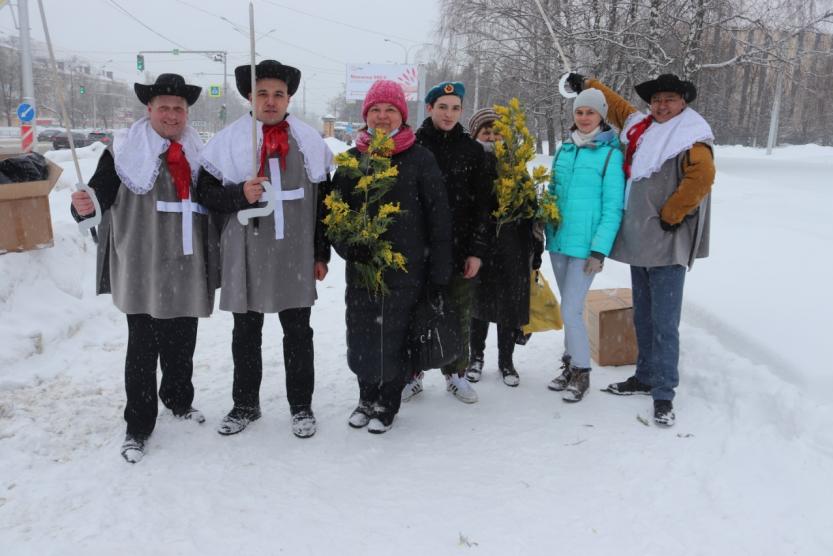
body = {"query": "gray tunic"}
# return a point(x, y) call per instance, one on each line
point(641, 240)
point(264, 274)
point(141, 250)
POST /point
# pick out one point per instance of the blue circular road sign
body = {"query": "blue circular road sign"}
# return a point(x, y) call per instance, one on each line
point(26, 112)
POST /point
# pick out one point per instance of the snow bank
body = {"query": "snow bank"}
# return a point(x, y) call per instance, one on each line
point(87, 159)
point(336, 145)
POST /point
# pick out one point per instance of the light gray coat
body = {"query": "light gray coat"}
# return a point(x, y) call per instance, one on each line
point(641, 240)
point(141, 260)
point(264, 274)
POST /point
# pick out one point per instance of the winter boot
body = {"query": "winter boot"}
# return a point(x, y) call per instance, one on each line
point(382, 420)
point(133, 448)
point(303, 423)
point(628, 388)
point(475, 370)
point(238, 419)
point(510, 375)
point(559, 383)
point(190, 414)
point(664, 413)
point(413, 387)
point(361, 415)
point(578, 385)
point(461, 388)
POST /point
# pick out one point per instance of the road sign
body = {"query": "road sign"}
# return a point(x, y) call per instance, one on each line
point(26, 112)
point(27, 137)
point(215, 91)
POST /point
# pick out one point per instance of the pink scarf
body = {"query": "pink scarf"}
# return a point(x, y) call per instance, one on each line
point(402, 141)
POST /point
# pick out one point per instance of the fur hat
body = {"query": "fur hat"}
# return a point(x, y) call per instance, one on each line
point(480, 119)
point(666, 83)
point(168, 84)
point(386, 91)
point(591, 98)
point(445, 88)
point(267, 69)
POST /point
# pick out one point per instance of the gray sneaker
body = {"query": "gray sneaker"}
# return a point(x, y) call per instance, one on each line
point(413, 387)
point(475, 370)
point(664, 413)
point(238, 419)
point(303, 423)
point(560, 382)
point(133, 448)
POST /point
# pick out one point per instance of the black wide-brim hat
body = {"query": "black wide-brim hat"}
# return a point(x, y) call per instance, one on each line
point(168, 84)
point(667, 83)
point(267, 69)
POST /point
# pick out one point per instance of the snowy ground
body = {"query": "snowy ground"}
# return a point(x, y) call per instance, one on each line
point(745, 471)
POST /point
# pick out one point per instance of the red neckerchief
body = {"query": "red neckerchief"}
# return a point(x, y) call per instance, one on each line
point(633, 135)
point(275, 140)
point(180, 170)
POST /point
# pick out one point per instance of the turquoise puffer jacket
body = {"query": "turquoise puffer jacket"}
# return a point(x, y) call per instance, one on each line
point(590, 204)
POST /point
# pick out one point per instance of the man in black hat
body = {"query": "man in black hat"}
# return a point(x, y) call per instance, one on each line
point(164, 268)
point(270, 266)
point(670, 171)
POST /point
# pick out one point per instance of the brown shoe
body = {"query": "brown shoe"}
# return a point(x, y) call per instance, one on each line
point(578, 385)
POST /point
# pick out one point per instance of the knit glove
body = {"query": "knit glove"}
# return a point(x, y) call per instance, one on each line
point(576, 82)
point(594, 263)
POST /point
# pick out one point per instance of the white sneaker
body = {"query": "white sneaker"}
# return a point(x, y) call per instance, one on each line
point(413, 387)
point(461, 389)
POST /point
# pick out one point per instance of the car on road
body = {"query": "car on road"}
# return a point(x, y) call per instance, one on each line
point(102, 135)
point(47, 134)
point(60, 140)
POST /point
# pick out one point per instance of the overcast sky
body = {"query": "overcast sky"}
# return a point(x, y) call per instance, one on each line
point(317, 36)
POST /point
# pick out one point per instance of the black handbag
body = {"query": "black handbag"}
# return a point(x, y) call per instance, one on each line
point(435, 337)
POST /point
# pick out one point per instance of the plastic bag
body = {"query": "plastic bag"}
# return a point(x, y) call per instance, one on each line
point(544, 310)
point(26, 167)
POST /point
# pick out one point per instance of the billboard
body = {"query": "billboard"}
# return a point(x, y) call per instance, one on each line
point(361, 76)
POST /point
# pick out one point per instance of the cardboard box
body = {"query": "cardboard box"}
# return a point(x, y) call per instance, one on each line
point(25, 221)
point(608, 315)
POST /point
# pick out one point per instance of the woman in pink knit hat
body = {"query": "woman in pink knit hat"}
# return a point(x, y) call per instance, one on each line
point(377, 325)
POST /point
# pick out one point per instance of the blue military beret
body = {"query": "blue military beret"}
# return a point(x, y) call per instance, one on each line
point(445, 88)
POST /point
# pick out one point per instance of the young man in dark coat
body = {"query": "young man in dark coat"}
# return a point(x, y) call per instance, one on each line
point(157, 254)
point(467, 183)
point(271, 264)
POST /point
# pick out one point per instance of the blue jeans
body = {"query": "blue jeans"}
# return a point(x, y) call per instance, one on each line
point(657, 305)
point(573, 284)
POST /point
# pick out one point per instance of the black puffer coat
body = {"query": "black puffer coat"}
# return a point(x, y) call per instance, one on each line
point(462, 164)
point(377, 326)
point(502, 293)
point(421, 231)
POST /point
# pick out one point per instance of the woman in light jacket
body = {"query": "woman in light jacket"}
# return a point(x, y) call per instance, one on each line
point(588, 181)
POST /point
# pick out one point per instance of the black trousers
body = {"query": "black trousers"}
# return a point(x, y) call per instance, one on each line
point(387, 394)
point(298, 358)
point(172, 343)
point(505, 341)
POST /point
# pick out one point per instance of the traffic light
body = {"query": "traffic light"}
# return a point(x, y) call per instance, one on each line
point(82, 89)
point(140, 62)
